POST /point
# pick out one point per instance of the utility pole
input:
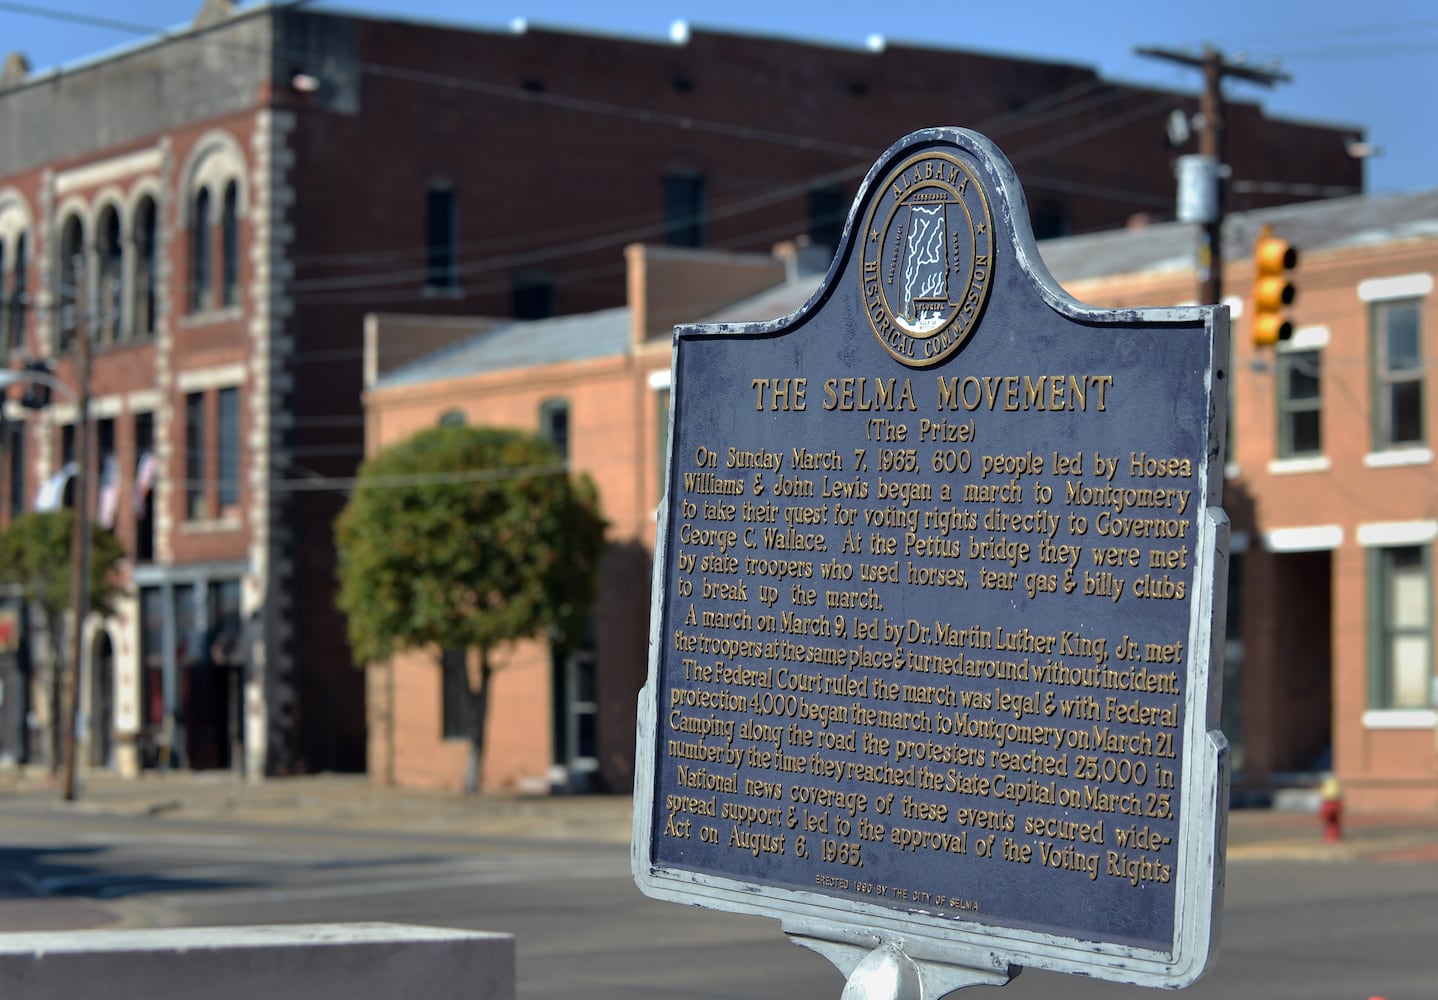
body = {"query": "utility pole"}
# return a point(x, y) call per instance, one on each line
point(1213, 145)
point(80, 543)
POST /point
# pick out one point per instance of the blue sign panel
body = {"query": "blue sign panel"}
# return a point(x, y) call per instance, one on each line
point(935, 597)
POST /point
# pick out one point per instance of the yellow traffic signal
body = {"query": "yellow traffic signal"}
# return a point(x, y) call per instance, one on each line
point(1273, 290)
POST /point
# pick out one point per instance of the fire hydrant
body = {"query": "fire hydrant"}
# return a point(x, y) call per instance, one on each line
point(1330, 809)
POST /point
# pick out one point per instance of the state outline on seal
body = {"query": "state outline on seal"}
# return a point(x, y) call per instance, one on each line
point(927, 257)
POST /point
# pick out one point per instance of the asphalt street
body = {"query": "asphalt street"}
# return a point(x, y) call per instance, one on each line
point(1302, 919)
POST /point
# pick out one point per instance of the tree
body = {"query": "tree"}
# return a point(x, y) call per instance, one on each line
point(35, 556)
point(467, 538)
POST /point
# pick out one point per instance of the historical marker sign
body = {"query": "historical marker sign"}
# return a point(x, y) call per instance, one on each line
point(938, 582)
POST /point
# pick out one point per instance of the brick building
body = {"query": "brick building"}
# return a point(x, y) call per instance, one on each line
point(220, 207)
point(1330, 488)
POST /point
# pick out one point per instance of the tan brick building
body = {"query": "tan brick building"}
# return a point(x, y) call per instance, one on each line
point(1331, 488)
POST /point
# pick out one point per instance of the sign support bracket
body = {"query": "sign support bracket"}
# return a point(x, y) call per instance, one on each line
point(881, 969)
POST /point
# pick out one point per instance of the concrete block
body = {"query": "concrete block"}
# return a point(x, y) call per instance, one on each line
point(360, 961)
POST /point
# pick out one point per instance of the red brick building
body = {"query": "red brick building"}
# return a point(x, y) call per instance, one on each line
point(219, 208)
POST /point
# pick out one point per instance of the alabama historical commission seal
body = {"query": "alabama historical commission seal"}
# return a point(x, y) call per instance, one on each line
point(927, 257)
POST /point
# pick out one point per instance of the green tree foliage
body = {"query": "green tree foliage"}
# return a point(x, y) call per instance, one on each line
point(467, 538)
point(35, 556)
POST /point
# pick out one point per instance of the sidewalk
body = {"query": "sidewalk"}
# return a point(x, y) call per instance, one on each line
point(352, 802)
point(348, 801)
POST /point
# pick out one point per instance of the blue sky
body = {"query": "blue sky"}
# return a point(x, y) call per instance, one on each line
point(1372, 64)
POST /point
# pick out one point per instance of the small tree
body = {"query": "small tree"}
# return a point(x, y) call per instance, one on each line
point(467, 538)
point(35, 556)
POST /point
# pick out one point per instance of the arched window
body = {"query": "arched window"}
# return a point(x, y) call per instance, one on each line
point(111, 259)
point(17, 307)
point(230, 246)
point(71, 273)
point(451, 418)
point(142, 322)
point(200, 298)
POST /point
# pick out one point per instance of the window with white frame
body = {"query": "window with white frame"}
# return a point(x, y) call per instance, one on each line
point(1400, 627)
point(1299, 386)
point(1397, 365)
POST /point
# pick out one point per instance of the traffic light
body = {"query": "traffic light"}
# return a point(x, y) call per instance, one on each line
point(1273, 290)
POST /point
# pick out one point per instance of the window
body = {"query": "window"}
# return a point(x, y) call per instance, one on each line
point(532, 295)
point(142, 322)
point(451, 418)
point(1397, 374)
point(13, 266)
point(200, 252)
point(195, 447)
point(441, 238)
point(228, 455)
point(1051, 219)
point(71, 272)
point(212, 454)
point(684, 209)
point(826, 217)
point(111, 286)
point(1401, 627)
point(143, 499)
point(230, 247)
point(1300, 403)
point(454, 695)
point(554, 425)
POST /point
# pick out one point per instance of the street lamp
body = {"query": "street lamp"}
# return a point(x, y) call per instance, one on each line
point(79, 548)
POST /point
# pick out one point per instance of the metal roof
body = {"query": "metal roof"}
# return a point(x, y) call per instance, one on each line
point(1311, 226)
point(522, 344)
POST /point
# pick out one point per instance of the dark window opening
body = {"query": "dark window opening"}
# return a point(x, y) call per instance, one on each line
point(826, 217)
point(72, 270)
point(230, 246)
point(532, 296)
point(684, 210)
point(441, 234)
point(200, 252)
point(146, 263)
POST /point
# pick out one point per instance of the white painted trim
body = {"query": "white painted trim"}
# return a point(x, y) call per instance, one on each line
point(1292, 466)
point(1400, 286)
point(144, 161)
point(1400, 718)
point(1398, 457)
point(1318, 538)
point(144, 400)
point(1385, 533)
point(218, 377)
point(106, 406)
point(1305, 338)
point(661, 378)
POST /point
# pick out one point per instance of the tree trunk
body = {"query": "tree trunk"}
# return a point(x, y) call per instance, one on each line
point(478, 722)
